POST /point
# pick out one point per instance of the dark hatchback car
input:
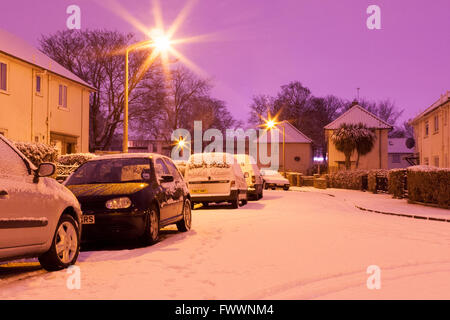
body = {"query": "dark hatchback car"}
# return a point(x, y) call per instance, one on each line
point(130, 195)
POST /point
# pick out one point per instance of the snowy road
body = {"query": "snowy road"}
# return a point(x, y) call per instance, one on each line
point(290, 245)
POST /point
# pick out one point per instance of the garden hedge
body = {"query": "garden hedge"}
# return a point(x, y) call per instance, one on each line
point(351, 179)
point(429, 185)
point(372, 178)
point(397, 183)
point(37, 152)
point(75, 159)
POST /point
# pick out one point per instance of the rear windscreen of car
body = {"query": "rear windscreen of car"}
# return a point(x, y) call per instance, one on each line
point(208, 170)
point(110, 171)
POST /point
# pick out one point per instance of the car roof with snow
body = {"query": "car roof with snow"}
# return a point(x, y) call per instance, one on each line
point(127, 156)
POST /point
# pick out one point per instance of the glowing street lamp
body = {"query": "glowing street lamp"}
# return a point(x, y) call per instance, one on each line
point(161, 43)
point(272, 124)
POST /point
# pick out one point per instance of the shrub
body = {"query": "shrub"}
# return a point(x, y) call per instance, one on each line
point(372, 178)
point(397, 183)
point(37, 152)
point(429, 185)
point(350, 179)
point(75, 159)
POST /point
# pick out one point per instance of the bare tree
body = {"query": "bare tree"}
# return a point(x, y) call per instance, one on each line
point(97, 57)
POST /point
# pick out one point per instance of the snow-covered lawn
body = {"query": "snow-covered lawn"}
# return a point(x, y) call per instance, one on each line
point(290, 245)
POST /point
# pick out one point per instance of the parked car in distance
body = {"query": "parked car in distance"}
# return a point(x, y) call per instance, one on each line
point(216, 177)
point(130, 195)
point(38, 216)
point(273, 179)
point(253, 178)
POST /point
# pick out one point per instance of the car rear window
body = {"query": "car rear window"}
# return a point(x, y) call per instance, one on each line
point(110, 171)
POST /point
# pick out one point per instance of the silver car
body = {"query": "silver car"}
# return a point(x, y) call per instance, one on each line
point(38, 216)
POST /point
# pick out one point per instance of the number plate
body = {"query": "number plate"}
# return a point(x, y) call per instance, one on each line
point(88, 219)
point(199, 191)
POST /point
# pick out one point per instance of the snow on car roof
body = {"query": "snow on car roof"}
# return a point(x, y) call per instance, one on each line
point(126, 156)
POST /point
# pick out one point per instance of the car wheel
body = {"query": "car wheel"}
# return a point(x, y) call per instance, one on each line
point(286, 188)
point(265, 186)
point(244, 202)
point(185, 224)
point(260, 195)
point(151, 232)
point(235, 202)
point(65, 246)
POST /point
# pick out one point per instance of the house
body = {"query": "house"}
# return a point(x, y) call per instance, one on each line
point(375, 159)
point(298, 154)
point(41, 101)
point(399, 153)
point(432, 133)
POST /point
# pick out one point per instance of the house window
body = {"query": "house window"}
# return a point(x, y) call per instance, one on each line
point(436, 123)
point(436, 161)
point(3, 76)
point(38, 84)
point(427, 127)
point(62, 98)
point(396, 158)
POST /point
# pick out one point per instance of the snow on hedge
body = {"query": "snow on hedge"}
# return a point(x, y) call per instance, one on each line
point(75, 158)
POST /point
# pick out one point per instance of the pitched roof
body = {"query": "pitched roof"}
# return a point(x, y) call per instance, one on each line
point(292, 134)
point(442, 100)
point(14, 46)
point(398, 145)
point(358, 114)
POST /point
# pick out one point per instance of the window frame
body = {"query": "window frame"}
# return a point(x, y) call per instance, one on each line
point(62, 96)
point(436, 123)
point(6, 90)
point(38, 92)
point(427, 128)
point(396, 158)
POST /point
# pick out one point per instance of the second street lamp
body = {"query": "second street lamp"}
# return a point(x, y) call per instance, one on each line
point(271, 124)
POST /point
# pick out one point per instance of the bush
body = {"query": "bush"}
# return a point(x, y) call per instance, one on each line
point(351, 179)
point(372, 178)
point(37, 152)
point(397, 183)
point(75, 159)
point(429, 185)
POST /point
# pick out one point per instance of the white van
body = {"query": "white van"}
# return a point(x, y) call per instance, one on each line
point(253, 178)
point(216, 177)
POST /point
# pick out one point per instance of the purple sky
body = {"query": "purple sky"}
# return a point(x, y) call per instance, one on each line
point(261, 45)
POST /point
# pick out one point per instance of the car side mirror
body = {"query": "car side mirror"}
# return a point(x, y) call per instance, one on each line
point(165, 179)
point(46, 169)
point(246, 175)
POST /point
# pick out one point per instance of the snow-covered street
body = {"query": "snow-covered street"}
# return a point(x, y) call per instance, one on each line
point(289, 245)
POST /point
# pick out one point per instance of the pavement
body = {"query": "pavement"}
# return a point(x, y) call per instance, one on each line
point(383, 203)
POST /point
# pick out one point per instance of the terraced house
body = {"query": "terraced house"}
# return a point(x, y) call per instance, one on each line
point(432, 133)
point(41, 101)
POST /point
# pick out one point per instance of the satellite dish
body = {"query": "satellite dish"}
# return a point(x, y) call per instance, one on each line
point(410, 143)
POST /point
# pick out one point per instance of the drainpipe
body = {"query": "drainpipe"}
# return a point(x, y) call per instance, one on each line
point(379, 148)
point(32, 103)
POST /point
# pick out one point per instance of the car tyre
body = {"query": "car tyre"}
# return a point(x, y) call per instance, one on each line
point(152, 226)
point(286, 188)
point(235, 202)
point(65, 246)
point(185, 224)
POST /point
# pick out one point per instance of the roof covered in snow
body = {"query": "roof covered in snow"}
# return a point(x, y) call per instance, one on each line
point(398, 145)
point(442, 100)
point(358, 114)
point(14, 46)
point(292, 134)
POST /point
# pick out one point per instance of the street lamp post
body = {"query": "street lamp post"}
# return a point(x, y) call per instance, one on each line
point(270, 124)
point(161, 43)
